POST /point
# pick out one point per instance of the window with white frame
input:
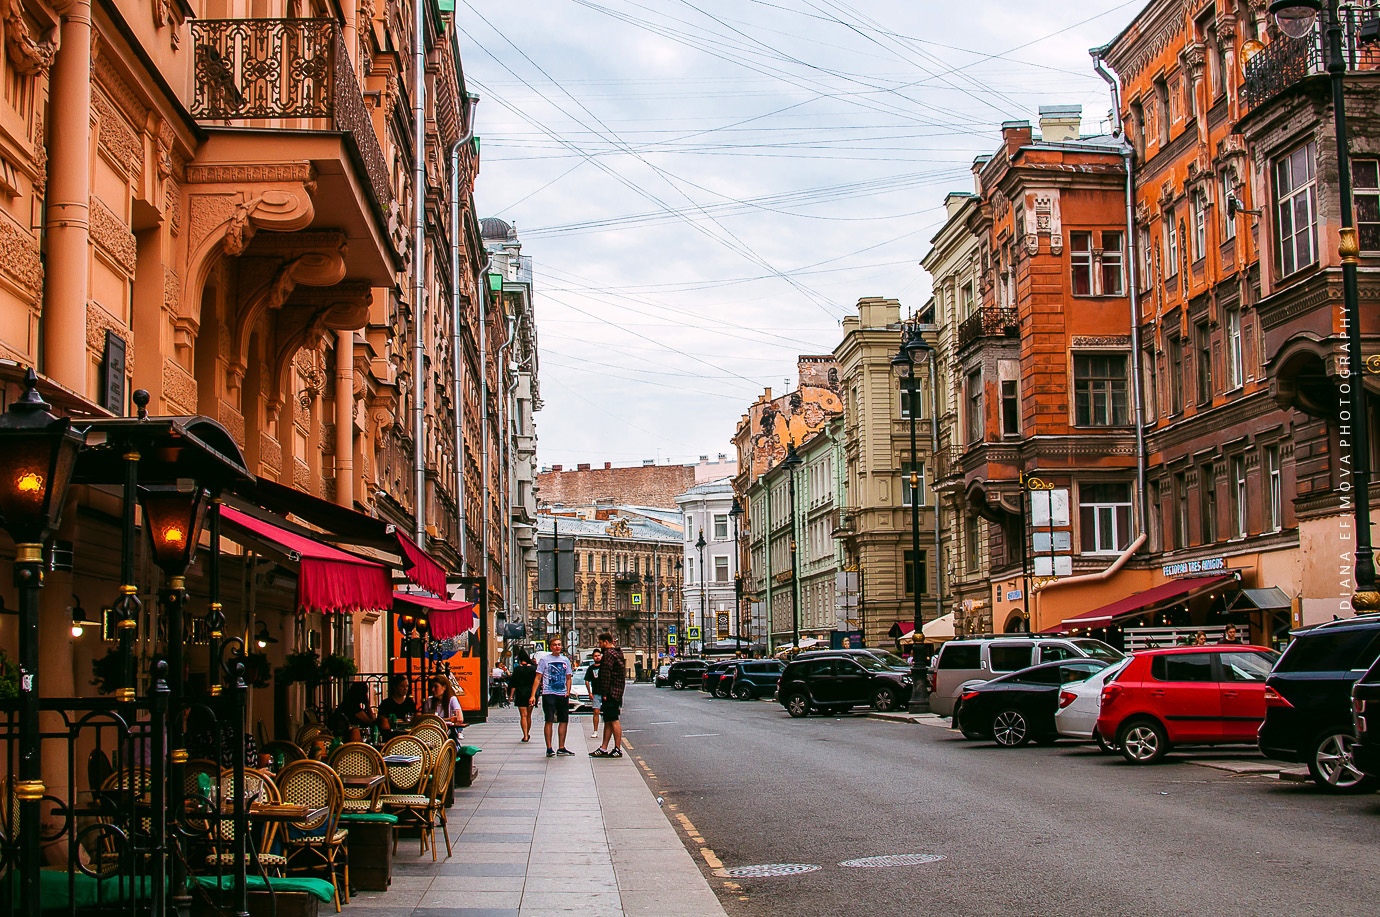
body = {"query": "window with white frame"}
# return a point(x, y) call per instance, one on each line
point(689, 523)
point(721, 526)
point(1228, 191)
point(1365, 192)
point(1296, 208)
point(1274, 489)
point(1081, 262)
point(1104, 516)
point(1238, 496)
point(1171, 245)
point(1147, 257)
point(720, 568)
point(1113, 264)
point(973, 385)
point(968, 299)
point(1236, 370)
point(1199, 225)
point(919, 469)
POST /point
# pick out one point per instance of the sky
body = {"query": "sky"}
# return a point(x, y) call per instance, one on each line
point(706, 187)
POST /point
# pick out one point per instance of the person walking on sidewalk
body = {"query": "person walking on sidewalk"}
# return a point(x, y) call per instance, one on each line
point(522, 682)
point(554, 675)
point(592, 680)
point(613, 678)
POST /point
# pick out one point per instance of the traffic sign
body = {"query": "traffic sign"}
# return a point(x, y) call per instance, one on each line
point(670, 639)
point(671, 628)
point(692, 633)
point(637, 598)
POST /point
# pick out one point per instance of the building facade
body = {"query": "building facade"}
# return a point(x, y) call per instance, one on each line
point(648, 484)
point(710, 582)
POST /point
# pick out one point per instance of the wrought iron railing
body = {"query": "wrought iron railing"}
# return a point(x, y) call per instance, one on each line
point(1286, 61)
point(285, 69)
point(988, 322)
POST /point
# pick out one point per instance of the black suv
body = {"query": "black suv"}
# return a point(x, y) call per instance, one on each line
point(1308, 714)
point(836, 683)
point(751, 678)
point(712, 681)
point(1365, 704)
point(685, 672)
point(890, 660)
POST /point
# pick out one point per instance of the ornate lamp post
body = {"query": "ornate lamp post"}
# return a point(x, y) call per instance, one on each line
point(903, 365)
point(1296, 19)
point(407, 626)
point(699, 546)
point(735, 512)
point(37, 453)
point(792, 461)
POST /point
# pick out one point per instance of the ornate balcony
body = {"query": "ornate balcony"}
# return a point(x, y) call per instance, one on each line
point(626, 578)
point(988, 322)
point(1287, 61)
point(264, 72)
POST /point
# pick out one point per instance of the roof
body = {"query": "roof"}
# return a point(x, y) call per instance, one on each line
point(638, 529)
point(494, 229)
point(721, 486)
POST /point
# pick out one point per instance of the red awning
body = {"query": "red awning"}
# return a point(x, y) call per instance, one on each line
point(421, 569)
point(328, 579)
point(1164, 594)
point(902, 629)
point(448, 619)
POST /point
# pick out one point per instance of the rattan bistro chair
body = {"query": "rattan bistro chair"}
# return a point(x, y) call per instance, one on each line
point(426, 806)
point(432, 736)
point(259, 787)
point(321, 840)
point(359, 759)
point(406, 778)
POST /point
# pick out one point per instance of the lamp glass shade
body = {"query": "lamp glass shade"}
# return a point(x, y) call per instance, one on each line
point(37, 454)
point(423, 625)
point(173, 517)
point(407, 624)
point(901, 365)
point(917, 348)
point(1295, 18)
point(495, 283)
point(792, 460)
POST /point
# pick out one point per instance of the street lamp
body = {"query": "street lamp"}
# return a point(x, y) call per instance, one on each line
point(679, 589)
point(903, 365)
point(792, 461)
point(37, 453)
point(735, 512)
point(699, 546)
point(1296, 18)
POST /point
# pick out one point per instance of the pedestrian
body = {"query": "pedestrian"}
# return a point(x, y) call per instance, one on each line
point(1230, 634)
point(522, 682)
point(554, 676)
point(446, 705)
point(613, 678)
point(354, 714)
point(1200, 638)
point(592, 682)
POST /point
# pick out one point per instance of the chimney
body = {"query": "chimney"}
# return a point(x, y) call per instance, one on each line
point(646, 462)
point(722, 457)
point(608, 465)
point(1060, 123)
point(704, 459)
point(583, 466)
point(555, 467)
point(1015, 134)
point(953, 201)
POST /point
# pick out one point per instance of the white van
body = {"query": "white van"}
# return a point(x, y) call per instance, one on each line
point(962, 663)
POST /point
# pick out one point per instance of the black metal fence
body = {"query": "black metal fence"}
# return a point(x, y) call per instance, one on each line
point(1287, 61)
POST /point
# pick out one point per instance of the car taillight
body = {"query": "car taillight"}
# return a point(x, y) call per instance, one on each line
point(1109, 692)
point(1066, 698)
point(968, 696)
point(1274, 699)
point(933, 680)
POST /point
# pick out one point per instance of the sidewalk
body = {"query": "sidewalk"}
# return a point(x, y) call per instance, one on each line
point(538, 836)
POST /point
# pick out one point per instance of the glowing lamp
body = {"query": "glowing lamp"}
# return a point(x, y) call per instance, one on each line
point(37, 453)
point(172, 517)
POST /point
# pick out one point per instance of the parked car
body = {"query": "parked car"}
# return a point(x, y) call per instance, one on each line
point(1080, 704)
point(1187, 695)
point(580, 700)
point(685, 672)
point(663, 676)
point(963, 663)
point(1308, 701)
point(752, 678)
point(1014, 709)
point(890, 660)
point(837, 683)
point(712, 683)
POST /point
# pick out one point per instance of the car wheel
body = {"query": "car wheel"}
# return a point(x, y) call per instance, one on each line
point(1143, 742)
point(1107, 747)
point(884, 700)
point(1010, 729)
point(742, 692)
point(798, 705)
point(1331, 766)
point(722, 692)
point(678, 684)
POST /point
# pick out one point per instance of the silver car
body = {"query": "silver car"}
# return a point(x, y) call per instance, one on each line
point(963, 663)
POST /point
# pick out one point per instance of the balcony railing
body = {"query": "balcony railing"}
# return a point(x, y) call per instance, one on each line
point(1286, 61)
point(627, 576)
point(275, 70)
point(988, 322)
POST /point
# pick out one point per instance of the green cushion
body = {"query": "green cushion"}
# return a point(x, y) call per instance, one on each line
point(88, 890)
point(365, 818)
point(470, 750)
point(319, 889)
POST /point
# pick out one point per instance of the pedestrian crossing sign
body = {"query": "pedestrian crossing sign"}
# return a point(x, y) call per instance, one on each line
point(670, 639)
point(692, 633)
point(637, 598)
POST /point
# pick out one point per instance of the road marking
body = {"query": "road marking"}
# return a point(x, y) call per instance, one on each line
point(663, 723)
point(709, 857)
point(702, 735)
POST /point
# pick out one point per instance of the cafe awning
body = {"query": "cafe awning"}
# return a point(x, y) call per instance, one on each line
point(447, 618)
point(1170, 593)
point(1271, 598)
point(328, 579)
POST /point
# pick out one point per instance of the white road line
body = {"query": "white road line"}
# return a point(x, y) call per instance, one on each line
point(663, 723)
point(701, 735)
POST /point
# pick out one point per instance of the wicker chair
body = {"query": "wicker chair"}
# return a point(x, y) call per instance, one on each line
point(201, 801)
point(259, 787)
point(425, 807)
point(428, 718)
point(406, 778)
point(290, 751)
point(359, 759)
point(320, 840)
point(308, 732)
point(432, 736)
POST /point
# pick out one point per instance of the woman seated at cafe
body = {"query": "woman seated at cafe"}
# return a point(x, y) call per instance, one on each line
point(354, 715)
point(446, 705)
point(398, 708)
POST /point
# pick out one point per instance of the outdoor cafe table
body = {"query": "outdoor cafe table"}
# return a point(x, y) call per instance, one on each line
point(364, 782)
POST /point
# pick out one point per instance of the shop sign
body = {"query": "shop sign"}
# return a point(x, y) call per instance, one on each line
point(1195, 567)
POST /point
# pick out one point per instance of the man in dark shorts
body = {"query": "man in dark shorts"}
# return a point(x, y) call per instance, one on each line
point(613, 678)
point(554, 676)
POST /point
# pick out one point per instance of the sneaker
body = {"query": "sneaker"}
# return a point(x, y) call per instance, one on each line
point(598, 753)
point(565, 753)
point(550, 753)
point(616, 753)
point(594, 735)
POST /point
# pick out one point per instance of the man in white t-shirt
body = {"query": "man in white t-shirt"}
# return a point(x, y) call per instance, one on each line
point(554, 676)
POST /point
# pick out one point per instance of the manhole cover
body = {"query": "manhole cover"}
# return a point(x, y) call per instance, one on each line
point(765, 870)
point(895, 859)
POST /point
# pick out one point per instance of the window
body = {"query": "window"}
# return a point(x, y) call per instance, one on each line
point(1171, 245)
point(721, 568)
point(1162, 109)
point(960, 656)
point(1113, 274)
point(1052, 652)
point(1008, 658)
point(1099, 387)
point(970, 533)
point(1081, 261)
point(1104, 516)
point(1296, 209)
point(1150, 370)
point(1228, 191)
point(1182, 667)
point(1176, 375)
point(967, 299)
point(1138, 128)
point(1246, 666)
point(1333, 651)
point(1147, 257)
point(1238, 496)
point(1180, 510)
point(721, 526)
point(918, 396)
point(1207, 493)
point(974, 392)
point(689, 524)
point(1274, 489)
point(1236, 364)
point(604, 563)
point(1010, 408)
point(906, 468)
point(1365, 182)
point(911, 573)
point(1199, 225)
point(1202, 341)
point(1156, 536)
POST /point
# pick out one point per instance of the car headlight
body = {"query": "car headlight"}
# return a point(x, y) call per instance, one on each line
point(907, 680)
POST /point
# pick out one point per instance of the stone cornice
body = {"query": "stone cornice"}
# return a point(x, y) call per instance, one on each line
point(1210, 423)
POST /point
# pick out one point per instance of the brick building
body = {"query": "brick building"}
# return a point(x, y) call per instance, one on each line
point(642, 485)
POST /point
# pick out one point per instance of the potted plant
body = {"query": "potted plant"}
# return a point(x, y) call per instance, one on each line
point(303, 667)
point(9, 678)
point(107, 670)
point(338, 666)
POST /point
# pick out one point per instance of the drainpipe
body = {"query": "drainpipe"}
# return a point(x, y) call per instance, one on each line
point(505, 461)
point(457, 349)
point(418, 265)
point(67, 221)
point(1137, 394)
point(484, 417)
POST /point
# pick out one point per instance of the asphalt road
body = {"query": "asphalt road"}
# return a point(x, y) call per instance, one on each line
point(1051, 831)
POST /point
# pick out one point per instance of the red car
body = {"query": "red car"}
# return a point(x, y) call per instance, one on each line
point(1187, 695)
